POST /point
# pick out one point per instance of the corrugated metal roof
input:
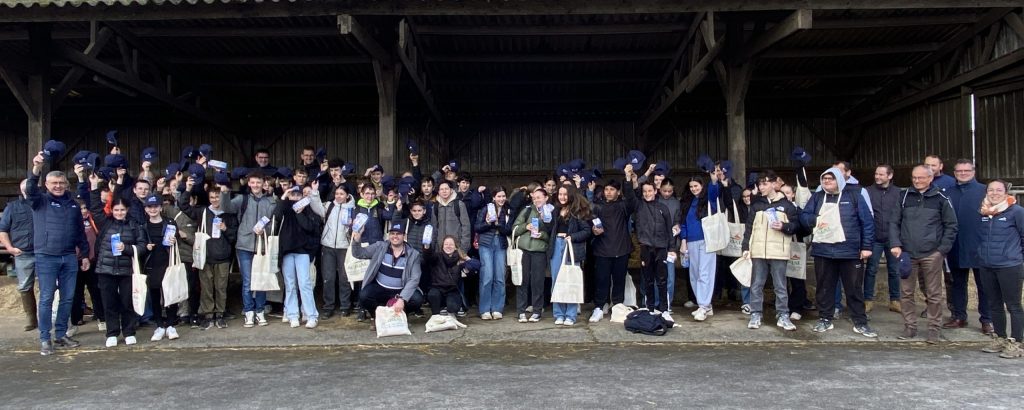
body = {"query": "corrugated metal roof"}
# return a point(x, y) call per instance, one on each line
point(77, 3)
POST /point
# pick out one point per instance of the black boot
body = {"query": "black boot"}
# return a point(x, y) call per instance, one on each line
point(28, 304)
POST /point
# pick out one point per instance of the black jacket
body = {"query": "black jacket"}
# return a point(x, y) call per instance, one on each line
point(445, 271)
point(218, 250)
point(578, 230)
point(886, 203)
point(615, 241)
point(300, 232)
point(487, 230)
point(131, 234)
point(926, 223)
point(653, 221)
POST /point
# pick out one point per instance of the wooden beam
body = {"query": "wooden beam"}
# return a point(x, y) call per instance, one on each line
point(546, 58)
point(566, 30)
point(549, 81)
point(877, 72)
point(864, 108)
point(190, 32)
point(115, 11)
point(111, 73)
point(388, 78)
point(409, 53)
point(19, 88)
point(268, 60)
point(40, 120)
point(797, 21)
point(288, 84)
point(685, 85)
point(75, 73)
point(673, 69)
point(852, 51)
point(979, 72)
point(1015, 22)
point(838, 23)
point(348, 25)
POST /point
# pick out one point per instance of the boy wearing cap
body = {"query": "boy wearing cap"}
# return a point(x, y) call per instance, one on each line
point(393, 273)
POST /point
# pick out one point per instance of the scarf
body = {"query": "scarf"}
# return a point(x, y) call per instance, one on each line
point(990, 209)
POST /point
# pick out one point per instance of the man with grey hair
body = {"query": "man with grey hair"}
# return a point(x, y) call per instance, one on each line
point(16, 236)
point(60, 248)
point(925, 228)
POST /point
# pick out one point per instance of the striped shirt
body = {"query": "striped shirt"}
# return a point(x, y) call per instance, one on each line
point(391, 270)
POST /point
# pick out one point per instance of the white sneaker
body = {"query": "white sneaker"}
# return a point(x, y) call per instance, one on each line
point(700, 314)
point(745, 308)
point(111, 341)
point(72, 331)
point(689, 305)
point(496, 315)
point(485, 316)
point(101, 326)
point(172, 333)
point(522, 318)
point(248, 319)
point(795, 316)
point(261, 319)
point(158, 334)
point(568, 322)
point(311, 324)
point(559, 321)
point(293, 323)
point(667, 316)
point(130, 340)
point(709, 311)
point(597, 315)
point(535, 317)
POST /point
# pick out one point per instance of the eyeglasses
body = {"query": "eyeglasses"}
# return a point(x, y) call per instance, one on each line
point(919, 178)
point(963, 171)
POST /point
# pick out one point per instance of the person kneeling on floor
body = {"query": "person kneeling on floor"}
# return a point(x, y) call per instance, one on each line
point(447, 267)
point(394, 271)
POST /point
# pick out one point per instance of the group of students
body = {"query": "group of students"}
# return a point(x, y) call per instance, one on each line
point(423, 236)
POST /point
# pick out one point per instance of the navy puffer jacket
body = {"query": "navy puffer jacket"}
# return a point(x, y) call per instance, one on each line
point(1000, 239)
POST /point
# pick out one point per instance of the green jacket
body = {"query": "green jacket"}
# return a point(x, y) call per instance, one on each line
point(526, 242)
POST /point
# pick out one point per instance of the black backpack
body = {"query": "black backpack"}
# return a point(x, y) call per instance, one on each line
point(642, 321)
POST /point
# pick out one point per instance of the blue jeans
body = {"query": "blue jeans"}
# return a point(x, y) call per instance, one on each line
point(871, 270)
point(297, 284)
point(492, 277)
point(671, 291)
point(251, 301)
point(55, 273)
point(561, 310)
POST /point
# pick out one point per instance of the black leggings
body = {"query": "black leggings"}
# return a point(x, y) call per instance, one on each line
point(1003, 287)
point(117, 304)
point(610, 274)
point(156, 302)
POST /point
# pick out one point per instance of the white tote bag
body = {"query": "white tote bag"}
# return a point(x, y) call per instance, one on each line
point(199, 246)
point(797, 266)
point(803, 194)
point(829, 226)
point(140, 291)
point(742, 270)
point(619, 313)
point(716, 230)
point(568, 287)
point(514, 259)
point(263, 277)
point(175, 284)
point(355, 268)
point(390, 323)
point(736, 230)
point(630, 297)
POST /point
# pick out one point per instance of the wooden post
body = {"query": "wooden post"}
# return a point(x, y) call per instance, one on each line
point(736, 118)
point(387, 76)
point(40, 116)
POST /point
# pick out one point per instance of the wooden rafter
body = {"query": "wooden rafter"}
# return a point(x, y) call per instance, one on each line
point(409, 53)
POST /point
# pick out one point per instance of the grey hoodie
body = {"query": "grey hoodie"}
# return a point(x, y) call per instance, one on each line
point(335, 234)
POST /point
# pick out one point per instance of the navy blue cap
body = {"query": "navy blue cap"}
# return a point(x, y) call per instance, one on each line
point(152, 200)
point(800, 155)
point(453, 165)
point(636, 158)
point(321, 154)
point(472, 265)
point(105, 172)
point(93, 160)
point(406, 185)
point(284, 172)
point(348, 168)
point(752, 180)
point(563, 170)
point(82, 158)
point(727, 168)
point(704, 163)
point(412, 146)
point(149, 154)
point(173, 169)
point(388, 183)
point(188, 153)
point(905, 266)
point(222, 178)
point(662, 168)
point(619, 163)
point(239, 172)
point(576, 165)
point(205, 150)
point(53, 149)
point(112, 138)
point(197, 172)
point(115, 161)
point(397, 227)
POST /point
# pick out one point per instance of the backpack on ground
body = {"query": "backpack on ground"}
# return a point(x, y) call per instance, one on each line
point(642, 321)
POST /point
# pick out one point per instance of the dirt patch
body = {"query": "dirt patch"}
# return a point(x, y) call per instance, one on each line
point(10, 301)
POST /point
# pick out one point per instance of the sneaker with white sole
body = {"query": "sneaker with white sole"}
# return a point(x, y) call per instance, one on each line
point(311, 324)
point(485, 316)
point(755, 321)
point(568, 322)
point(709, 311)
point(796, 316)
point(496, 315)
point(784, 323)
point(535, 318)
point(293, 323)
point(261, 319)
point(158, 334)
point(700, 314)
point(172, 333)
point(284, 319)
point(248, 319)
point(822, 326)
point(111, 341)
point(745, 308)
point(865, 330)
point(597, 315)
point(522, 318)
point(667, 316)
point(130, 340)
point(559, 321)
point(101, 326)
point(72, 331)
